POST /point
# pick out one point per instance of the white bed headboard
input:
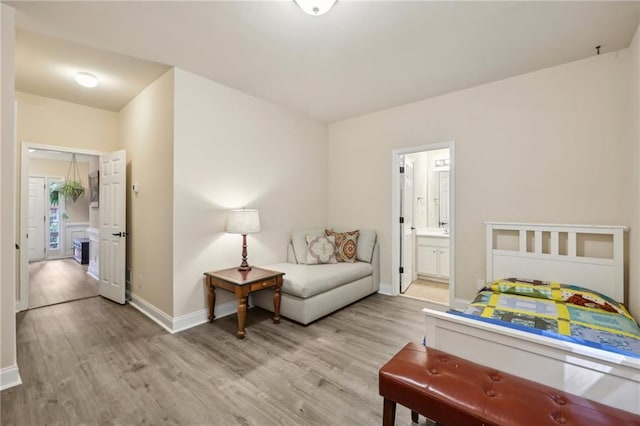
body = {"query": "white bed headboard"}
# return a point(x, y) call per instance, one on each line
point(529, 260)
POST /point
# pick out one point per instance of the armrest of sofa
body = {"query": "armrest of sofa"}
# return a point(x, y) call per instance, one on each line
point(291, 255)
point(375, 264)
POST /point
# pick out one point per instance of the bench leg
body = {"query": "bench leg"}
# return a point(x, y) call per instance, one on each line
point(414, 417)
point(389, 413)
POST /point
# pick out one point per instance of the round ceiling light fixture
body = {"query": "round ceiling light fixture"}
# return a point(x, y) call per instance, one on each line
point(86, 79)
point(315, 7)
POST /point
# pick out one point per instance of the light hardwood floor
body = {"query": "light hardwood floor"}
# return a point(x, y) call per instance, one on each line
point(96, 362)
point(57, 281)
point(433, 291)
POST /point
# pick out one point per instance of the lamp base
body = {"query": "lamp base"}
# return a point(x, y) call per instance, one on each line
point(244, 266)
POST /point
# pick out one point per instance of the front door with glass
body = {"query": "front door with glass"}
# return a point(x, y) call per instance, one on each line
point(55, 222)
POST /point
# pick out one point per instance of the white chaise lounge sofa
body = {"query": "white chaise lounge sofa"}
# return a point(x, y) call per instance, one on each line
point(310, 292)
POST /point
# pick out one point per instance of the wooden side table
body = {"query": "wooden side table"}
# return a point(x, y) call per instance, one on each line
point(241, 283)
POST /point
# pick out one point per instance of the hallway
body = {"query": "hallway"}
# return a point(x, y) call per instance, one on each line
point(58, 281)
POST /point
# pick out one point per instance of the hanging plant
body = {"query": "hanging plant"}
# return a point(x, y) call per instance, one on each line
point(72, 187)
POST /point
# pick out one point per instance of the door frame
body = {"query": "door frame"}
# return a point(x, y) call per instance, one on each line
point(395, 213)
point(22, 296)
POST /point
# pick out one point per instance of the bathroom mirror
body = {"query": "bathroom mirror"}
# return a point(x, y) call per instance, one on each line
point(438, 199)
point(431, 189)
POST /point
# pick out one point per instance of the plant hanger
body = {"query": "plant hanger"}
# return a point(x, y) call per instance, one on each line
point(72, 187)
point(73, 167)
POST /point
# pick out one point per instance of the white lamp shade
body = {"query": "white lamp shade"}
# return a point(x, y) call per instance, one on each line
point(243, 221)
point(315, 7)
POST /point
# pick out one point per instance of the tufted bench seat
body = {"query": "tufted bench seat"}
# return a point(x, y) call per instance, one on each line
point(453, 391)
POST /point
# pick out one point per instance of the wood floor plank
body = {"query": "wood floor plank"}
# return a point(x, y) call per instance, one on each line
point(96, 362)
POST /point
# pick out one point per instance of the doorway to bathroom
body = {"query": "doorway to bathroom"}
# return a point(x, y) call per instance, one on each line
point(423, 223)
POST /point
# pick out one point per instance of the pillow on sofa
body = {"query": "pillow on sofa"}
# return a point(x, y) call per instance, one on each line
point(346, 245)
point(299, 242)
point(366, 243)
point(321, 250)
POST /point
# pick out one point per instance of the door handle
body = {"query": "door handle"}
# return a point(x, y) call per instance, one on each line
point(120, 234)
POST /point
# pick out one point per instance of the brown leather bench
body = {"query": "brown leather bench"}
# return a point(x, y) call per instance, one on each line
point(453, 391)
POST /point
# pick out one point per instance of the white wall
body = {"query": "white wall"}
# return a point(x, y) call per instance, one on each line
point(8, 374)
point(551, 146)
point(146, 133)
point(233, 150)
point(50, 121)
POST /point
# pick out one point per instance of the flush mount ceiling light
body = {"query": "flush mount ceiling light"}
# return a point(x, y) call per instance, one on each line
point(86, 79)
point(315, 7)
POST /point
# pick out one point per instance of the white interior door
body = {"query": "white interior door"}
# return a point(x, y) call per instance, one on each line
point(112, 206)
point(36, 218)
point(406, 212)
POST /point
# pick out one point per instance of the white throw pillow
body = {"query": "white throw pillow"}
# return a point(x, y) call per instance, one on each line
point(299, 242)
point(321, 250)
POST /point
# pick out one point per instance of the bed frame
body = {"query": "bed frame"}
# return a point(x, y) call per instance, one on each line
point(550, 253)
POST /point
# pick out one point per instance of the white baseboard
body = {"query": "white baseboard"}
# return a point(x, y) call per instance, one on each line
point(21, 305)
point(193, 319)
point(163, 320)
point(92, 275)
point(10, 377)
point(386, 289)
point(182, 322)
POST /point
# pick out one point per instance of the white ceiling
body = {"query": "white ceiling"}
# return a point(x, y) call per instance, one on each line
point(358, 58)
point(47, 66)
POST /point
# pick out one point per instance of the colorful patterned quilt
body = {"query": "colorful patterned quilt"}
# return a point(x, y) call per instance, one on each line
point(565, 312)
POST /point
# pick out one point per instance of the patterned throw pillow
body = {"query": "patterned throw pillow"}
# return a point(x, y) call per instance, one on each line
point(346, 245)
point(321, 249)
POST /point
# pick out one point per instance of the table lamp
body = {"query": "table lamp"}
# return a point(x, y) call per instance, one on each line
point(243, 221)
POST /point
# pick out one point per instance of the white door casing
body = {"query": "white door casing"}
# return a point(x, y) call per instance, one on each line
point(406, 212)
point(113, 225)
point(36, 218)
